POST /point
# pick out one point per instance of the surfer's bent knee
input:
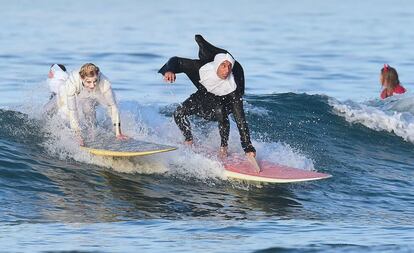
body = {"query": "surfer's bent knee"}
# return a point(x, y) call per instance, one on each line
point(219, 113)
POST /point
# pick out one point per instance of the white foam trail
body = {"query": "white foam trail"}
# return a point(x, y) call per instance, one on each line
point(157, 128)
point(62, 144)
point(394, 115)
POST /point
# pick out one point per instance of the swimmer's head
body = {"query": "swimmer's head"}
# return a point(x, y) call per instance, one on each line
point(89, 74)
point(389, 77)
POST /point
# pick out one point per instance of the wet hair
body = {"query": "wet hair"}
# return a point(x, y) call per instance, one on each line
point(61, 66)
point(390, 77)
point(88, 70)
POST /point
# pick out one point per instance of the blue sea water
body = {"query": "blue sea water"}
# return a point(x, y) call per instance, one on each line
point(312, 102)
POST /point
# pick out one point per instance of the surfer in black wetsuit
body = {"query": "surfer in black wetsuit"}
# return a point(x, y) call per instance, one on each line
point(219, 80)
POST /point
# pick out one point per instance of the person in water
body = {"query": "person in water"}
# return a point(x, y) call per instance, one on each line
point(390, 82)
point(219, 80)
point(56, 79)
point(86, 88)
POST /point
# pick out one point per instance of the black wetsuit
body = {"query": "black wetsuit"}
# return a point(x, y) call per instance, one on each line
point(206, 104)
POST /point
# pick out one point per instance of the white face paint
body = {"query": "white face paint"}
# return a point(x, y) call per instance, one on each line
point(90, 82)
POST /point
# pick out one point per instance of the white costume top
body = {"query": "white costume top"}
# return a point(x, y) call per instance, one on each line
point(101, 94)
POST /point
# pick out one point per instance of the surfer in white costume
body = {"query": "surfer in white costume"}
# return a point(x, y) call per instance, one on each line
point(85, 88)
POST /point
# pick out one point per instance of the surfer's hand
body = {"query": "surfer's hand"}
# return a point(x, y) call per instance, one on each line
point(169, 77)
point(251, 154)
point(122, 137)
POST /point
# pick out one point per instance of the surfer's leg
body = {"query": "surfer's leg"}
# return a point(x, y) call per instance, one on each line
point(240, 118)
point(181, 119)
point(187, 108)
point(224, 129)
point(89, 113)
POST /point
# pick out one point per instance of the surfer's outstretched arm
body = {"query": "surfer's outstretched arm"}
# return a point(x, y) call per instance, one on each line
point(176, 65)
point(179, 65)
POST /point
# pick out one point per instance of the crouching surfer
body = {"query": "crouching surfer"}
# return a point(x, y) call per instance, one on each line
point(85, 88)
point(219, 80)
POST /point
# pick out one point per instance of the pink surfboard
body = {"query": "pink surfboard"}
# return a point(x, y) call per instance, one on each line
point(237, 167)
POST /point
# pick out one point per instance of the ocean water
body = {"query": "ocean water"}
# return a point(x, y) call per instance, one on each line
point(311, 101)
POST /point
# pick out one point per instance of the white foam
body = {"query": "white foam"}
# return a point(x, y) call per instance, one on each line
point(283, 154)
point(394, 115)
point(145, 122)
point(249, 108)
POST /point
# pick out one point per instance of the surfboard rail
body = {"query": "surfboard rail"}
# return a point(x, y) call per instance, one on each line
point(103, 152)
point(241, 169)
point(240, 176)
point(125, 148)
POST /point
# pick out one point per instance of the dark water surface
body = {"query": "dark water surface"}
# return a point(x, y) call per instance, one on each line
point(310, 69)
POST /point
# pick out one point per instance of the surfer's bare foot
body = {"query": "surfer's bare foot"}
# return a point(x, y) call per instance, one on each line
point(223, 152)
point(188, 143)
point(122, 137)
point(251, 154)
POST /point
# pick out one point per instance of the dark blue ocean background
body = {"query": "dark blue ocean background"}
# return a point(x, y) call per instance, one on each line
point(312, 70)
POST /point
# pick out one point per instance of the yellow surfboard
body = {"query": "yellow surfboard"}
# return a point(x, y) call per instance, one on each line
point(126, 148)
